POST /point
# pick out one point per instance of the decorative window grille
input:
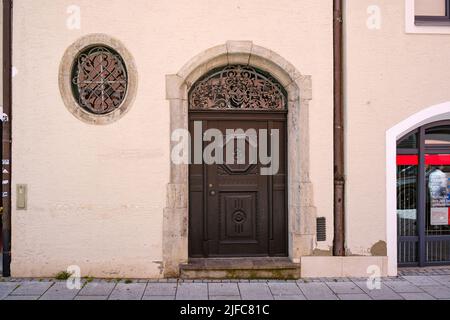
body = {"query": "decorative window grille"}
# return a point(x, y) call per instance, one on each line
point(238, 87)
point(99, 80)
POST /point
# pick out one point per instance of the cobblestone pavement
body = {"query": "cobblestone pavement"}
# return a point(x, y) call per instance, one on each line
point(412, 284)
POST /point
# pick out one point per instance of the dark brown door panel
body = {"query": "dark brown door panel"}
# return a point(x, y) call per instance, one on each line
point(234, 210)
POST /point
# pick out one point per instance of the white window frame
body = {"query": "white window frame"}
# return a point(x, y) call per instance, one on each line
point(411, 27)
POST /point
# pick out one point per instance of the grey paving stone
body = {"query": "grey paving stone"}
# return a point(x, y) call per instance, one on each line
point(384, 293)
point(444, 279)
point(97, 289)
point(317, 291)
point(22, 298)
point(6, 288)
point(59, 291)
point(417, 296)
point(142, 281)
point(344, 288)
point(158, 298)
point(124, 291)
point(223, 289)
point(100, 298)
point(192, 291)
point(403, 287)
point(421, 280)
point(439, 292)
point(161, 289)
point(255, 291)
point(225, 298)
point(357, 296)
point(290, 297)
point(32, 288)
point(285, 289)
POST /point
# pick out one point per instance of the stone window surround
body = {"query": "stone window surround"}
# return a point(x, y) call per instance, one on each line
point(302, 212)
point(65, 79)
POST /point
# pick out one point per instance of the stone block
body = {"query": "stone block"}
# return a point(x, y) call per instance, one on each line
point(175, 87)
point(192, 291)
point(223, 289)
point(124, 291)
point(161, 289)
point(317, 291)
point(59, 291)
point(31, 288)
point(255, 291)
point(97, 289)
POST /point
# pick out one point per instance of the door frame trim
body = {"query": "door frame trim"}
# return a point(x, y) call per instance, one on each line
point(301, 209)
point(248, 115)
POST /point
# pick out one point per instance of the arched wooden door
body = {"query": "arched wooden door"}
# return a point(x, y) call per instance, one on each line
point(235, 210)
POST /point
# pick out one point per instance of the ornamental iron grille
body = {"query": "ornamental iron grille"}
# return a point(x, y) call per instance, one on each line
point(100, 80)
point(238, 87)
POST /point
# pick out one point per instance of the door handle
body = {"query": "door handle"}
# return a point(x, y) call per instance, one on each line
point(212, 193)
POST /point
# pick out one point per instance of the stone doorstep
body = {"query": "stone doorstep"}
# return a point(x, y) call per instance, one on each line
point(255, 268)
point(239, 263)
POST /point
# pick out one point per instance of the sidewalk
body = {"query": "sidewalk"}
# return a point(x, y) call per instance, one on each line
point(412, 284)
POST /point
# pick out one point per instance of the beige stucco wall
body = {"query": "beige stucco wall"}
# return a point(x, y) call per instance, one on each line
point(430, 7)
point(97, 193)
point(391, 75)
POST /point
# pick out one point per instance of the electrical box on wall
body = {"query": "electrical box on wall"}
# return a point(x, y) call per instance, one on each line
point(22, 196)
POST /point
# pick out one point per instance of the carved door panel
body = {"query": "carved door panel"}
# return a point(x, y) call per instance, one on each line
point(234, 210)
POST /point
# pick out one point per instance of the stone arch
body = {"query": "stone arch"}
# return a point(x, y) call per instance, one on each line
point(302, 214)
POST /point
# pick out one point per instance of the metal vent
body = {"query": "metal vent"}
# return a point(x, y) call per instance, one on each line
point(321, 229)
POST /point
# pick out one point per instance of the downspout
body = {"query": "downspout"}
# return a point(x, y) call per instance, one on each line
point(6, 135)
point(339, 143)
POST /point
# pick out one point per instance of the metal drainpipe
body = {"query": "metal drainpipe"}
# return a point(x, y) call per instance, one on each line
point(6, 135)
point(339, 142)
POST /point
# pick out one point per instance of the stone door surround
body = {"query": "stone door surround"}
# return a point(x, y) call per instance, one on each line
point(301, 210)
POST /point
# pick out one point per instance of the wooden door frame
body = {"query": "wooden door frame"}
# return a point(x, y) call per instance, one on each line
point(301, 209)
point(247, 115)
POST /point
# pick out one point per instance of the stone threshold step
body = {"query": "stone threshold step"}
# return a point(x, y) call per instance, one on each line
point(240, 263)
point(240, 268)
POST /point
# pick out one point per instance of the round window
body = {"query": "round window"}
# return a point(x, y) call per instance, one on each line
point(100, 80)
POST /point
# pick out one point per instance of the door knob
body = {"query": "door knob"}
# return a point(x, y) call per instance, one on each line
point(212, 193)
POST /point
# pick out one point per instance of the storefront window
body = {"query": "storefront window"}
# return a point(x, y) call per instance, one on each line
point(437, 212)
point(439, 136)
point(409, 142)
point(407, 209)
point(423, 196)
